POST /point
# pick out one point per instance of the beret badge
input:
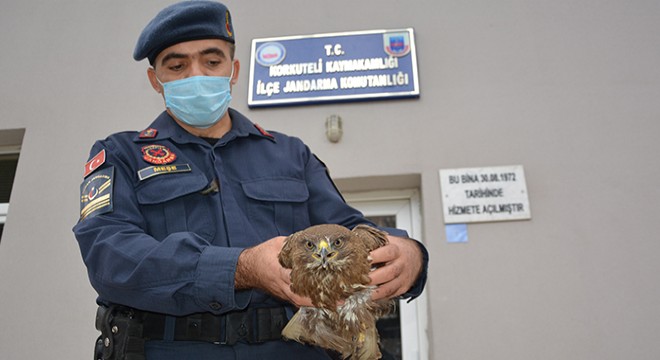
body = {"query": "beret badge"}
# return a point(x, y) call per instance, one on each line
point(228, 24)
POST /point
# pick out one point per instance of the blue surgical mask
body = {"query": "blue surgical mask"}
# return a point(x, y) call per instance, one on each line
point(198, 101)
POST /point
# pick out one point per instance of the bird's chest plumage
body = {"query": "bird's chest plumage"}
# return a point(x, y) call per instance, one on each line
point(327, 287)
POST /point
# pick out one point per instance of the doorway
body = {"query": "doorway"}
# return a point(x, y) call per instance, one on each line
point(403, 333)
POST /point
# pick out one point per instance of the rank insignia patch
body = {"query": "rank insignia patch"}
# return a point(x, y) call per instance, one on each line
point(162, 169)
point(94, 163)
point(263, 132)
point(149, 133)
point(96, 194)
point(157, 154)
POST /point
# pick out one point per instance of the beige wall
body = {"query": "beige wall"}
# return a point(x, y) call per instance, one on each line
point(568, 89)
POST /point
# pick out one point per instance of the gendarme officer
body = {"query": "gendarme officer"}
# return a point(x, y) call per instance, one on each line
point(181, 223)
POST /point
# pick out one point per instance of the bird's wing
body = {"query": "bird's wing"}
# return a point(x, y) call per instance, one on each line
point(371, 237)
point(285, 254)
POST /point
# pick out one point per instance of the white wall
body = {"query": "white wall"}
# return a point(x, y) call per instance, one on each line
point(568, 89)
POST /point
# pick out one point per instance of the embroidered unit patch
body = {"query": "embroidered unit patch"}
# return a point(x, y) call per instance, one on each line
point(96, 194)
point(157, 154)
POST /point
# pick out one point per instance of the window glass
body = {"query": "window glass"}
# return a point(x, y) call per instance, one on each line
point(7, 173)
point(8, 163)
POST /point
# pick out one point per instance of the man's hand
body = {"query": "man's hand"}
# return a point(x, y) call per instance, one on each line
point(400, 265)
point(258, 267)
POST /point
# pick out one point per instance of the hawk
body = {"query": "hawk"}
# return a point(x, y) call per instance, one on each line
point(330, 264)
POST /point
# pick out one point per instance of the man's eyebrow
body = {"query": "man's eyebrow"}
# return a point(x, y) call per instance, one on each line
point(214, 50)
point(175, 55)
point(172, 55)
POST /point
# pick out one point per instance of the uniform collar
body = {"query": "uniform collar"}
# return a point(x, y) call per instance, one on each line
point(165, 127)
point(241, 126)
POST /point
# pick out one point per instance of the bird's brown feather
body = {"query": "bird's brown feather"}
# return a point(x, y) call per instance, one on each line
point(337, 281)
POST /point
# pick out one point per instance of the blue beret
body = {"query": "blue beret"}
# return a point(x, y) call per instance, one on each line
point(184, 21)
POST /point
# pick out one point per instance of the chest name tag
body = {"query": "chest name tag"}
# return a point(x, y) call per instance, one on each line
point(152, 171)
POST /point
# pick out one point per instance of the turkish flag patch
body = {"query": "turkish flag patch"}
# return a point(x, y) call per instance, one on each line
point(94, 163)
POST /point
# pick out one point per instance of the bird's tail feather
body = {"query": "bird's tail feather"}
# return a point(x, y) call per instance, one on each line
point(306, 328)
point(369, 349)
point(294, 329)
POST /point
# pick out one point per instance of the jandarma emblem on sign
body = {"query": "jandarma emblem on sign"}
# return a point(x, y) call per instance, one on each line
point(397, 44)
point(350, 66)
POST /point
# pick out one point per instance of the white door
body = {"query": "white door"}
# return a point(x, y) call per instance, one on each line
point(403, 335)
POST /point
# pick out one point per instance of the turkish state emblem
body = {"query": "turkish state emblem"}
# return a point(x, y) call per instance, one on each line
point(157, 154)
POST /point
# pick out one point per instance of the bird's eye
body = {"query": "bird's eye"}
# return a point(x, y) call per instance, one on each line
point(309, 244)
point(338, 242)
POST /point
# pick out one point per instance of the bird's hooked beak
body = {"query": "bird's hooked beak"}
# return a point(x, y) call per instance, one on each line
point(323, 252)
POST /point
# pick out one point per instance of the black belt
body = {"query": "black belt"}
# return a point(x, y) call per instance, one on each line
point(253, 325)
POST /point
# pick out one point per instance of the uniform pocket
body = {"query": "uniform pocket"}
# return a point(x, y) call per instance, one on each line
point(173, 203)
point(277, 206)
point(164, 188)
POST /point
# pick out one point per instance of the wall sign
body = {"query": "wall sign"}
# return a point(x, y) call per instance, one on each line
point(361, 65)
point(484, 194)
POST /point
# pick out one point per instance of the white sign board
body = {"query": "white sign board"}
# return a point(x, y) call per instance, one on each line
point(484, 194)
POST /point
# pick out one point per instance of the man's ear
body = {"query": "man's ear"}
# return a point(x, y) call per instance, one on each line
point(153, 79)
point(237, 68)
